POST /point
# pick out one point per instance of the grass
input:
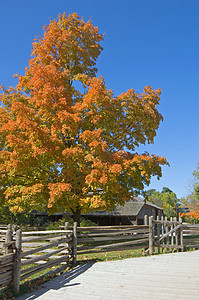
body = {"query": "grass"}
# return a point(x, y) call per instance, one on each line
point(112, 255)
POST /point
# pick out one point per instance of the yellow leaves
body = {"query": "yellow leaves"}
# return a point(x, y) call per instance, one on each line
point(92, 203)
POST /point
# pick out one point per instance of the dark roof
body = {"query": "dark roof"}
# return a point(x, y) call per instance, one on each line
point(131, 207)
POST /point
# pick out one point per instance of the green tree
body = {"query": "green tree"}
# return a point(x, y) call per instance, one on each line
point(165, 199)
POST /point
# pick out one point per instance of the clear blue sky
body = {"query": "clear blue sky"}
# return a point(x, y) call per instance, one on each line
point(147, 42)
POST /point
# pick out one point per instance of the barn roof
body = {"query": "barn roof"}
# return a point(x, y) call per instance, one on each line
point(131, 207)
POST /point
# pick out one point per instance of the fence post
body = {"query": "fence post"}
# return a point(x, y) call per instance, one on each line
point(75, 243)
point(66, 225)
point(158, 232)
point(172, 236)
point(181, 235)
point(17, 264)
point(166, 231)
point(176, 234)
point(8, 248)
point(145, 220)
point(151, 237)
point(146, 223)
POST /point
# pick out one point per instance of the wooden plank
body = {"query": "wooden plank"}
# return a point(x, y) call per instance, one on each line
point(158, 232)
point(17, 264)
point(6, 268)
point(43, 237)
point(36, 269)
point(7, 273)
point(115, 245)
point(191, 241)
point(104, 228)
point(6, 281)
point(43, 257)
point(151, 235)
point(47, 232)
point(114, 233)
point(27, 246)
point(100, 239)
point(10, 243)
point(190, 227)
point(74, 249)
point(190, 232)
point(46, 246)
point(8, 257)
point(181, 235)
point(169, 232)
point(172, 235)
point(165, 222)
point(8, 249)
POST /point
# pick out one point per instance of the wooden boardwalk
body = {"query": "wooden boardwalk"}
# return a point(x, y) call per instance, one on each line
point(167, 276)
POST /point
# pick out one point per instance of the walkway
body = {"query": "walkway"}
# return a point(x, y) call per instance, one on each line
point(168, 276)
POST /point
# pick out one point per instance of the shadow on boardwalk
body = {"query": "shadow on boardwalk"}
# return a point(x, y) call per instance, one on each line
point(159, 277)
point(58, 282)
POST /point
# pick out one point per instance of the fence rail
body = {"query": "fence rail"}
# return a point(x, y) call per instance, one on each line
point(191, 236)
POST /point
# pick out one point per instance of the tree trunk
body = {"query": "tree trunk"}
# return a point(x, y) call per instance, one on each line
point(76, 216)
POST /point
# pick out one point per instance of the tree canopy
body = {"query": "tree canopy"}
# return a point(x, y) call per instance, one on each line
point(165, 199)
point(60, 145)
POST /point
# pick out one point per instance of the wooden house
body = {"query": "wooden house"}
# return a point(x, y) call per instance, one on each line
point(132, 212)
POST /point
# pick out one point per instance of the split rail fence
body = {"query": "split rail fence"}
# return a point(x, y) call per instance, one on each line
point(99, 239)
point(27, 253)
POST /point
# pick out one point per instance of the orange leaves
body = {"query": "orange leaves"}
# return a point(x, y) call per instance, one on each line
point(116, 169)
point(60, 143)
point(88, 136)
point(34, 189)
point(192, 216)
point(56, 191)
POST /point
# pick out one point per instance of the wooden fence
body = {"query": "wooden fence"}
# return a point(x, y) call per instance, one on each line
point(6, 269)
point(165, 235)
point(110, 238)
point(23, 254)
point(191, 236)
point(28, 253)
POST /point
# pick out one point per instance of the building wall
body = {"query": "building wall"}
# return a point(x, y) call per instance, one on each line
point(149, 211)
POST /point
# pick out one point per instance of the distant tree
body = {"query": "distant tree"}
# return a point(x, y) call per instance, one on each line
point(166, 200)
point(150, 192)
point(64, 137)
point(166, 190)
point(192, 200)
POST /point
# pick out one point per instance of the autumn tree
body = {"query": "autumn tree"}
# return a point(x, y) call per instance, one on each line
point(64, 137)
point(192, 200)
